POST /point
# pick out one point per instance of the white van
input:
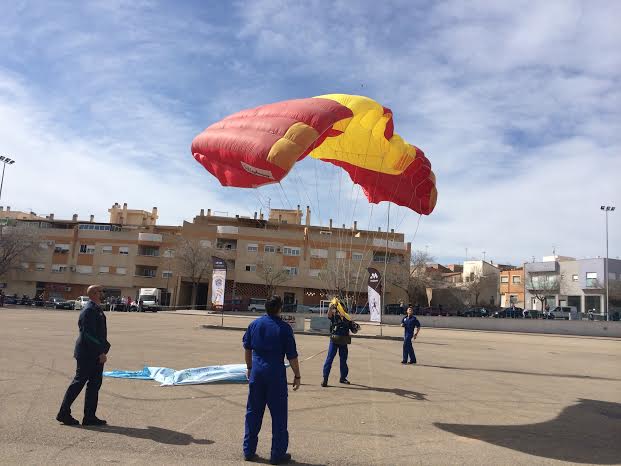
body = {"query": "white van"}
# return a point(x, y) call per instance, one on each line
point(563, 312)
point(256, 304)
point(80, 302)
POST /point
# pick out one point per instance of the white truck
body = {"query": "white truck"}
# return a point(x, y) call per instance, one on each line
point(151, 299)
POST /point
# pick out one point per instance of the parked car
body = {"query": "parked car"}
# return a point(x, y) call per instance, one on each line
point(314, 309)
point(475, 312)
point(80, 302)
point(562, 312)
point(232, 305)
point(510, 313)
point(256, 304)
point(59, 303)
point(11, 299)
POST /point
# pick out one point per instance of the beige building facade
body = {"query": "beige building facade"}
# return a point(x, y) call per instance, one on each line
point(131, 252)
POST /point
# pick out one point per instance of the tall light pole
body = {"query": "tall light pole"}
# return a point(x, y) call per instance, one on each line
point(4, 161)
point(606, 209)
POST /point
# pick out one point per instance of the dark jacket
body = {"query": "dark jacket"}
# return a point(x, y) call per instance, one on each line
point(93, 338)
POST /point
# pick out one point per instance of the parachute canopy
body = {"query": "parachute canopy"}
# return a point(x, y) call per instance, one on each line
point(259, 146)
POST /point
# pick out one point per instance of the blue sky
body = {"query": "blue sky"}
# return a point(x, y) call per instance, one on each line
point(516, 104)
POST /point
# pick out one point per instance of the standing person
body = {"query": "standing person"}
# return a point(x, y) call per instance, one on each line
point(91, 349)
point(409, 322)
point(340, 326)
point(401, 308)
point(266, 342)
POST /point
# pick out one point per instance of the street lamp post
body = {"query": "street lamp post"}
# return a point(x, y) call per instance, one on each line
point(606, 209)
point(4, 161)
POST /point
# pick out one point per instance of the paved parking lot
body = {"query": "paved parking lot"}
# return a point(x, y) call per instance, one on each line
point(475, 398)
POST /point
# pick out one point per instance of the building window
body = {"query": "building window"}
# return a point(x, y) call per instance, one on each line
point(324, 232)
point(61, 248)
point(87, 249)
point(574, 278)
point(124, 250)
point(504, 279)
point(121, 271)
point(319, 253)
point(314, 273)
point(292, 270)
point(516, 279)
point(104, 269)
point(356, 256)
point(253, 248)
point(24, 265)
point(43, 245)
point(153, 251)
point(59, 268)
point(341, 254)
point(591, 279)
point(169, 253)
point(251, 268)
point(205, 243)
point(269, 248)
point(40, 267)
point(106, 249)
point(167, 274)
point(84, 269)
point(287, 251)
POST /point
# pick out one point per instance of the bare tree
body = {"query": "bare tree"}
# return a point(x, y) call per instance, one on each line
point(342, 280)
point(541, 285)
point(194, 258)
point(271, 274)
point(414, 277)
point(17, 243)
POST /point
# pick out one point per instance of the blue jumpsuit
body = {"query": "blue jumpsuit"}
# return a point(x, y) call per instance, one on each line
point(408, 350)
point(339, 327)
point(270, 339)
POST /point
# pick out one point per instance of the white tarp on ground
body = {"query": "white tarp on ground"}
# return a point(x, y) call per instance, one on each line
point(235, 373)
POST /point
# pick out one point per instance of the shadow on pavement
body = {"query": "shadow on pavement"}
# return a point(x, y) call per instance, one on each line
point(260, 460)
point(157, 434)
point(396, 391)
point(540, 374)
point(587, 432)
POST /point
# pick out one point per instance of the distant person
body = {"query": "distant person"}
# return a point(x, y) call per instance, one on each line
point(401, 308)
point(1, 298)
point(140, 304)
point(409, 323)
point(91, 349)
point(266, 342)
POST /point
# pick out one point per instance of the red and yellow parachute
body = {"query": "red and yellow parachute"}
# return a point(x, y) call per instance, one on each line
point(259, 146)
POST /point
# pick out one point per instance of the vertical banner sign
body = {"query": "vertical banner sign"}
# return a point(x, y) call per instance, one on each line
point(374, 292)
point(218, 281)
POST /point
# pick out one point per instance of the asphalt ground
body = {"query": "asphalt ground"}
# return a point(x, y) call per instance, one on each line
point(474, 398)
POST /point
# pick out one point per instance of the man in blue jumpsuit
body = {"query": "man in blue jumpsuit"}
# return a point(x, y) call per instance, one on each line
point(409, 322)
point(339, 339)
point(266, 342)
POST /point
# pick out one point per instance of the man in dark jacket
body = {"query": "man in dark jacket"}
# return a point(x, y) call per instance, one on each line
point(91, 349)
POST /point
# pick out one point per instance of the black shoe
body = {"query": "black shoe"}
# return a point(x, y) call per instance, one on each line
point(93, 421)
point(67, 419)
point(251, 457)
point(283, 460)
point(412, 362)
point(345, 381)
point(404, 362)
point(324, 383)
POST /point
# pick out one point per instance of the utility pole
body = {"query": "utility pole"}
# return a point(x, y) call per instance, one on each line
point(607, 209)
point(4, 160)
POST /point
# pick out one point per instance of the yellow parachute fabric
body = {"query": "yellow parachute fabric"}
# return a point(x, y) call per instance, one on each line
point(363, 141)
point(339, 307)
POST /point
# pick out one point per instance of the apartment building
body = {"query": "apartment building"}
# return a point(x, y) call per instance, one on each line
point(131, 252)
point(566, 281)
point(511, 287)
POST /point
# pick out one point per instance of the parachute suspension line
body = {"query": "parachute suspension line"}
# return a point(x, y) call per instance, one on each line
point(385, 267)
